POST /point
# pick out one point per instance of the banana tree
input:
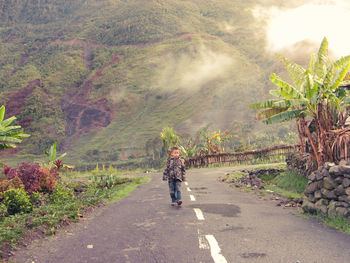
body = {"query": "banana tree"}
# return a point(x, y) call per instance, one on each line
point(169, 138)
point(190, 149)
point(317, 101)
point(214, 140)
point(9, 135)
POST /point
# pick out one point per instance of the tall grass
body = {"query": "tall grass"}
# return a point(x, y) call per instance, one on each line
point(291, 181)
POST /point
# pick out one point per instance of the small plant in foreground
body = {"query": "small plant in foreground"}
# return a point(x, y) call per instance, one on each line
point(61, 194)
point(3, 211)
point(16, 201)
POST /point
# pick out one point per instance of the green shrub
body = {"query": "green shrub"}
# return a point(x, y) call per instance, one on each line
point(17, 201)
point(61, 194)
point(35, 198)
point(3, 211)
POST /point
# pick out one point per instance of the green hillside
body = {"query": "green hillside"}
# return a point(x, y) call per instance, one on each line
point(103, 77)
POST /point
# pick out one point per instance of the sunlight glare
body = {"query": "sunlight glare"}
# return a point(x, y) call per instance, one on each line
point(311, 22)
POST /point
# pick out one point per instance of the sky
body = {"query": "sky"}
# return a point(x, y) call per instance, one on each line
point(311, 22)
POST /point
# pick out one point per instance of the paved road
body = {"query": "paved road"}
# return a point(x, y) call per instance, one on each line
point(216, 224)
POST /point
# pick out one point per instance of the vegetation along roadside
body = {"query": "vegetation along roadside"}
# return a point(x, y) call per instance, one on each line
point(36, 201)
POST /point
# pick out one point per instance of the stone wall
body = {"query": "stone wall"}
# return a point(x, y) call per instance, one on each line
point(328, 190)
point(300, 163)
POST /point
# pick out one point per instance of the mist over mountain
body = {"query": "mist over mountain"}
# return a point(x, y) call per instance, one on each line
point(103, 77)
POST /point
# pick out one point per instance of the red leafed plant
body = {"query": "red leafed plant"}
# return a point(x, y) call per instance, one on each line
point(58, 163)
point(48, 179)
point(32, 176)
point(13, 183)
point(10, 172)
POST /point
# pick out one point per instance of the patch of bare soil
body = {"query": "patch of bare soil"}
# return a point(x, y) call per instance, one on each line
point(16, 100)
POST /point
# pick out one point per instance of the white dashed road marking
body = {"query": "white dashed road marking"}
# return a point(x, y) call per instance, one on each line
point(215, 250)
point(199, 213)
point(207, 241)
point(203, 243)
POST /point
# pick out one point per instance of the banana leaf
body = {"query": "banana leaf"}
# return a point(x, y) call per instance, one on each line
point(284, 116)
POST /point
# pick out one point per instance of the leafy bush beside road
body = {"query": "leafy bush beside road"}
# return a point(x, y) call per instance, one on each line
point(33, 197)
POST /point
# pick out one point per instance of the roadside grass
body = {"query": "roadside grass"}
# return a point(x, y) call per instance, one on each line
point(67, 204)
point(291, 181)
point(125, 189)
point(81, 175)
point(288, 184)
point(282, 192)
point(269, 166)
point(278, 164)
point(338, 222)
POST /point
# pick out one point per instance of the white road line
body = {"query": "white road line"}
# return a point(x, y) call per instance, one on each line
point(188, 189)
point(186, 183)
point(203, 243)
point(192, 198)
point(199, 213)
point(215, 250)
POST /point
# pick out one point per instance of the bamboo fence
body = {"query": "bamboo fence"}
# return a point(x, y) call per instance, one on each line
point(239, 157)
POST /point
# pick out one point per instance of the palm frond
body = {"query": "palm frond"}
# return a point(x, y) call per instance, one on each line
point(284, 116)
point(296, 72)
point(7, 139)
point(311, 87)
point(12, 132)
point(312, 63)
point(8, 121)
point(328, 79)
point(6, 130)
point(291, 103)
point(263, 104)
point(287, 90)
point(269, 113)
point(341, 62)
point(343, 70)
point(322, 59)
point(2, 113)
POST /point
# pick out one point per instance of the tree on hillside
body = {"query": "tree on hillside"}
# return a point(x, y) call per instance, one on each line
point(318, 100)
point(9, 135)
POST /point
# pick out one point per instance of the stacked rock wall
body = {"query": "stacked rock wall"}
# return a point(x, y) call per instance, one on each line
point(300, 163)
point(328, 190)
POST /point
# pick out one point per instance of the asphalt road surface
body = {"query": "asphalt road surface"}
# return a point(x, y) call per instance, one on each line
point(215, 224)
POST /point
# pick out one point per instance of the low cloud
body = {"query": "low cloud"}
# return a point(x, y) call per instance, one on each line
point(192, 69)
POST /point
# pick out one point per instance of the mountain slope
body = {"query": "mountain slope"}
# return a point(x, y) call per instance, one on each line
point(102, 78)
